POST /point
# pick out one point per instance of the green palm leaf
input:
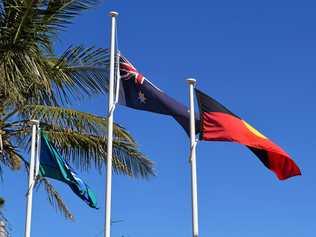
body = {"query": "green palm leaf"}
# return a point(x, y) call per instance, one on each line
point(54, 198)
point(80, 71)
point(34, 82)
point(74, 120)
point(86, 150)
point(82, 136)
point(57, 14)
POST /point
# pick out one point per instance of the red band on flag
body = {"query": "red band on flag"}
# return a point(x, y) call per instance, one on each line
point(219, 124)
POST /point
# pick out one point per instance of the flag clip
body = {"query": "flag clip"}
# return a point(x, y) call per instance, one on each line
point(191, 149)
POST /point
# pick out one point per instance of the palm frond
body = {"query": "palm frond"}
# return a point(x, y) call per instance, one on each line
point(80, 71)
point(32, 76)
point(5, 228)
point(10, 155)
point(57, 14)
point(82, 138)
point(26, 78)
point(55, 199)
point(21, 26)
point(74, 120)
point(1, 202)
point(86, 150)
point(29, 70)
point(27, 14)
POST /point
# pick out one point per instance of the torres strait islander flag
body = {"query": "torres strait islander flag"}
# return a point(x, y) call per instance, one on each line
point(139, 93)
point(220, 124)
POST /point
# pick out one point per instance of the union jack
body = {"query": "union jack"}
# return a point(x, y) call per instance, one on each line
point(128, 71)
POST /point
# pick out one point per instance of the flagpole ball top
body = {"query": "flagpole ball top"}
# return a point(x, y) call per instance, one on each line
point(113, 13)
point(191, 81)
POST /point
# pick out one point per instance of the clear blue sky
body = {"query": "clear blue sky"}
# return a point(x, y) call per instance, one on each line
point(259, 59)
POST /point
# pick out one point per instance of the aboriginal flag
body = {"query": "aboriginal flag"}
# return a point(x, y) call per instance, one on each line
point(220, 124)
point(139, 93)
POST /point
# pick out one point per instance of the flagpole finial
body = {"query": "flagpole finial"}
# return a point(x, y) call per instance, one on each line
point(191, 81)
point(113, 13)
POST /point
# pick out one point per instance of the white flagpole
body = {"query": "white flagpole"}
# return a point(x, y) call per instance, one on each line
point(35, 125)
point(111, 105)
point(38, 150)
point(195, 223)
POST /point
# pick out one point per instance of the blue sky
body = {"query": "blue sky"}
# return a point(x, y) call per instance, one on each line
point(258, 59)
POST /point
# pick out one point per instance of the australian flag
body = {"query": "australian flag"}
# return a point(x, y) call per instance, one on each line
point(139, 93)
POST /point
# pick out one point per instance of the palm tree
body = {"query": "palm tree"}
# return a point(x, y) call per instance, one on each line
point(1, 202)
point(4, 230)
point(37, 83)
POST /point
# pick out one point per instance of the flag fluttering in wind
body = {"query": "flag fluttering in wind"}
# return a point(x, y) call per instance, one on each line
point(54, 166)
point(220, 124)
point(139, 93)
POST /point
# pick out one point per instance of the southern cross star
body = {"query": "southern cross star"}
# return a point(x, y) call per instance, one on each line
point(141, 97)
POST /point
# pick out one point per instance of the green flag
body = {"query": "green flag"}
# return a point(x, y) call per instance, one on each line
point(54, 166)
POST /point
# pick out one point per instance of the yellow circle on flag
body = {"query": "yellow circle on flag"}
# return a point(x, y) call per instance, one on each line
point(254, 131)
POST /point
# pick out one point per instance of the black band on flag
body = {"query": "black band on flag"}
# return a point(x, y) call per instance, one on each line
point(220, 124)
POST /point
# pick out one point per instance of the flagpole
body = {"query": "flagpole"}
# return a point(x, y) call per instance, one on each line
point(195, 225)
point(107, 232)
point(35, 124)
point(38, 151)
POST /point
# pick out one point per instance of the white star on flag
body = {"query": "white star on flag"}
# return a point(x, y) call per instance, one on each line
point(141, 97)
